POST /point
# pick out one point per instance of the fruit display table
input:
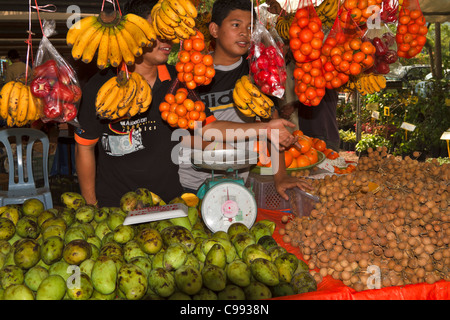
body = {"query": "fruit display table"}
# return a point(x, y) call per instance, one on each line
point(331, 289)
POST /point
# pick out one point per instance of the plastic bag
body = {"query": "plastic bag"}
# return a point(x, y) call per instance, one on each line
point(411, 30)
point(267, 65)
point(306, 34)
point(54, 82)
point(386, 50)
point(389, 11)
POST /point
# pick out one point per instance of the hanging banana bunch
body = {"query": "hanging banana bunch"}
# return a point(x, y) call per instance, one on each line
point(17, 105)
point(250, 101)
point(123, 96)
point(115, 38)
point(327, 12)
point(174, 19)
point(370, 83)
point(283, 24)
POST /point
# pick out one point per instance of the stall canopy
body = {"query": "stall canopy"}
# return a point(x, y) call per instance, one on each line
point(14, 19)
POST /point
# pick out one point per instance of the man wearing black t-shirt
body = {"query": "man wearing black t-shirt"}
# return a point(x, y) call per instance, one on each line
point(114, 157)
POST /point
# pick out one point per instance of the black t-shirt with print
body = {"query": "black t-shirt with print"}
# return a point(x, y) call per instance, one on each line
point(131, 153)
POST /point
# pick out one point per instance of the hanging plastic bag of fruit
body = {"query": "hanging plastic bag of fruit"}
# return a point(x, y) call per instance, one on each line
point(385, 49)
point(54, 81)
point(194, 65)
point(411, 29)
point(267, 67)
point(389, 11)
point(305, 33)
point(182, 107)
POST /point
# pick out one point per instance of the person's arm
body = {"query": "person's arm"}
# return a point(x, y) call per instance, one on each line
point(85, 165)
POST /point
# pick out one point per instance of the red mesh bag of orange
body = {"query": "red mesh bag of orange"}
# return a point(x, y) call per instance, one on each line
point(411, 30)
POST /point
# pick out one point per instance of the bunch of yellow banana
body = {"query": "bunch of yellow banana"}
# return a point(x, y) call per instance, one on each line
point(283, 24)
point(327, 12)
point(370, 83)
point(249, 100)
point(174, 19)
point(123, 97)
point(17, 105)
point(116, 38)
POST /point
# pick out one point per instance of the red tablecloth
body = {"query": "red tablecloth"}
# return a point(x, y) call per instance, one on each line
point(331, 289)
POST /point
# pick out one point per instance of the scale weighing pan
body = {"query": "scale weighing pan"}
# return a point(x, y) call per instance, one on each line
point(223, 159)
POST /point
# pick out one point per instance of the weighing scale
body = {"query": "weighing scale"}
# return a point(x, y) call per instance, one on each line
point(225, 199)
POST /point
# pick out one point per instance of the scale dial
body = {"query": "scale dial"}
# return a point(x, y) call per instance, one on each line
point(227, 203)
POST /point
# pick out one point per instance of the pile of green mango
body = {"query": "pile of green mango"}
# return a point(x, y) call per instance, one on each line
point(81, 252)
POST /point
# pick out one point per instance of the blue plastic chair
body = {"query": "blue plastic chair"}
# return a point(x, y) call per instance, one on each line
point(24, 187)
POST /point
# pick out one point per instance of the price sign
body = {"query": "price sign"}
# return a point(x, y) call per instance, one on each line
point(408, 126)
point(387, 111)
point(375, 115)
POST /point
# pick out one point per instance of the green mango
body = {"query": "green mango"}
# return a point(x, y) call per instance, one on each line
point(7, 229)
point(157, 261)
point(236, 228)
point(56, 221)
point(88, 227)
point(131, 249)
point(123, 234)
point(182, 221)
point(32, 207)
point(114, 220)
point(111, 249)
point(52, 250)
point(303, 282)
point(242, 241)
point(2, 260)
point(144, 198)
point(257, 291)
point(34, 276)
point(265, 271)
point(217, 256)
point(192, 261)
point(286, 264)
point(86, 266)
point(27, 253)
point(118, 210)
point(118, 260)
point(53, 231)
point(5, 247)
point(142, 262)
point(101, 214)
point(61, 268)
point(253, 252)
point(208, 244)
point(100, 296)
point(73, 200)
point(11, 212)
point(129, 201)
point(198, 252)
point(45, 215)
point(80, 288)
point(260, 229)
point(230, 250)
point(214, 277)
point(51, 288)
point(76, 251)
point(18, 292)
point(102, 229)
point(199, 235)
point(239, 273)
point(188, 280)
point(193, 215)
point(85, 213)
point(104, 275)
point(94, 240)
point(162, 224)
point(231, 292)
point(267, 242)
point(149, 240)
point(274, 252)
point(27, 227)
point(179, 296)
point(174, 256)
point(302, 267)
point(282, 289)
point(269, 223)
point(205, 294)
point(68, 215)
point(162, 282)
point(178, 234)
point(11, 275)
point(74, 232)
point(132, 281)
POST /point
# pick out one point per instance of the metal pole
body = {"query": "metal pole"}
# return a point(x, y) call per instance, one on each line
point(358, 115)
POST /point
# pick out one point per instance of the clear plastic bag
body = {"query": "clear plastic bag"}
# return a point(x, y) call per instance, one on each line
point(54, 82)
point(389, 11)
point(267, 65)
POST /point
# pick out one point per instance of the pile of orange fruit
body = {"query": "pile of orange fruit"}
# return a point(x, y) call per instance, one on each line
point(178, 110)
point(411, 32)
point(309, 82)
point(194, 68)
point(306, 35)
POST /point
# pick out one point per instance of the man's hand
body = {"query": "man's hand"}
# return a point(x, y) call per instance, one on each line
point(285, 182)
point(278, 135)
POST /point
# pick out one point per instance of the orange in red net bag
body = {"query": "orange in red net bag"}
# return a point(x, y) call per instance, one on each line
point(411, 30)
point(309, 82)
point(305, 33)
